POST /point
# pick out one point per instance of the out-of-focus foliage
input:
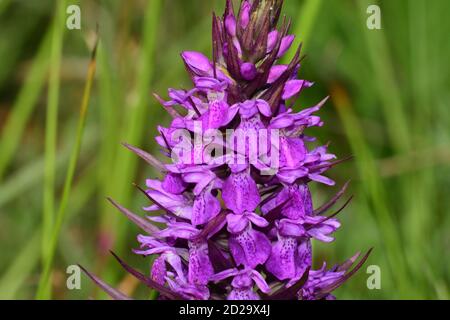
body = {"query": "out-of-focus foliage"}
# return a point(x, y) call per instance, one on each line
point(389, 108)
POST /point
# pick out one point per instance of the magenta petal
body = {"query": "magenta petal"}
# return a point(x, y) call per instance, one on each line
point(322, 231)
point(292, 151)
point(286, 43)
point(298, 202)
point(289, 176)
point(291, 228)
point(240, 193)
point(260, 281)
point(244, 14)
point(158, 271)
point(250, 248)
point(230, 25)
point(257, 220)
point(275, 72)
point(248, 109)
point(173, 183)
point(321, 179)
point(263, 107)
point(200, 267)
point(216, 115)
point(207, 84)
point(303, 260)
point(291, 88)
point(282, 121)
point(230, 114)
point(281, 262)
point(272, 40)
point(197, 62)
point(205, 207)
point(224, 274)
point(236, 223)
point(243, 294)
point(248, 71)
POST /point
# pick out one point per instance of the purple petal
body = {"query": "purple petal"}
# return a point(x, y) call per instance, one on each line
point(206, 207)
point(321, 179)
point(263, 107)
point(179, 230)
point(244, 16)
point(242, 281)
point(197, 62)
point(216, 115)
point(240, 193)
point(230, 114)
point(291, 228)
point(230, 25)
point(286, 43)
point(250, 248)
point(282, 260)
point(188, 291)
point(173, 183)
point(248, 109)
point(224, 275)
point(159, 270)
point(289, 176)
point(282, 121)
point(236, 223)
point(272, 40)
point(257, 220)
point(243, 294)
point(260, 281)
point(292, 151)
point(207, 84)
point(200, 267)
point(275, 72)
point(323, 230)
point(248, 71)
point(291, 88)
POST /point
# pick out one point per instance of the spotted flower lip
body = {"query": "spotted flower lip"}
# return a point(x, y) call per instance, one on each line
point(230, 230)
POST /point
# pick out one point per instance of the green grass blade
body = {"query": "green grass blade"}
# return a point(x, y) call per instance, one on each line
point(51, 131)
point(126, 163)
point(24, 104)
point(31, 174)
point(386, 83)
point(374, 190)
point(20, 269)
point(45, 277)
point(303, 25)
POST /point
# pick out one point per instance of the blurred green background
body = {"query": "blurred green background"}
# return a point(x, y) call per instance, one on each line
point(389, 108)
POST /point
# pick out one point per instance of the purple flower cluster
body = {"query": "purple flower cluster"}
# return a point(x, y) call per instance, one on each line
point(229, 231)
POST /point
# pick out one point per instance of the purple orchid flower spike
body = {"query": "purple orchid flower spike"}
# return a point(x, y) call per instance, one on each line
point(225, 223)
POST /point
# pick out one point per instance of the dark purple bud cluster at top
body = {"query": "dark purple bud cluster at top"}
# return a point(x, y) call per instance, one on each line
point(227, 231)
